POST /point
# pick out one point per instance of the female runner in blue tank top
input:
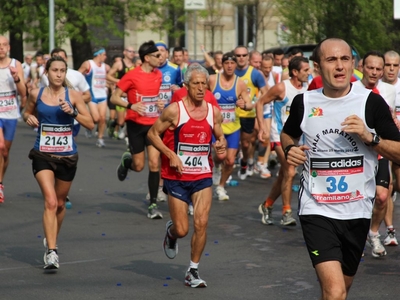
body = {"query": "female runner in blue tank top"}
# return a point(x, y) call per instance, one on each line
point(54, 156)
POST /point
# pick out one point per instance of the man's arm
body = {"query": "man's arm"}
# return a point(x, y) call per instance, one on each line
point(18, 76)
point(220, 144)
point(277, 92)
point(117, 66)
point(244, 102)
point(84, 68)
point(167, 119)
point(139, 107)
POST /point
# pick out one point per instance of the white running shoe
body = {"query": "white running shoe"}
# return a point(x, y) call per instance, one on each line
point(190, 210)
point(390, 239)
point(265, 173)
point(221, 193)
point(377, 248)
point(121, 134)
point(193, 279)
point(51, 261)
point(229, 180)
point(250, 169)
point(100, 143)
point(161, 196)
point(242, 176)
point(216, 177)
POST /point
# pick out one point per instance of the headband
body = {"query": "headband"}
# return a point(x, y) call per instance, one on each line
point(229, 56)
point(98, 52)
point(162, 44)
point(150, 50)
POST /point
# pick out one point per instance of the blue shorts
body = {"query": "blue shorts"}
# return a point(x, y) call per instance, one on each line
point(232, 139)
point(98, 100)
point(9, 126)
point(184, 190)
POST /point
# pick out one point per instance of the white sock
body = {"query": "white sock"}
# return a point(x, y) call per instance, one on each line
point(193, 265)
point(250, 161)
point(373, 233)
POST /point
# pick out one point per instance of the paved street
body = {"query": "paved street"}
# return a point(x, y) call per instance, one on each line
point(108, 248)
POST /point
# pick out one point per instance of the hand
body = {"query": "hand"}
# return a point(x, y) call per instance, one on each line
point(160, 105)
point(175, 163)
point(297, 156)
point(32, 121)
point(354, 124)
point(262, 133)
point(240, 103)
point(66, 107)
point(139, 107)
point(14, 72)
point(174, 87)
point(220, 145)
point(202, 48)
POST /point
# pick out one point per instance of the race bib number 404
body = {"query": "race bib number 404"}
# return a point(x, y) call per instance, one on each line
point(151, 105)
point(194, 158)
point(55, 138)
point(337, 179)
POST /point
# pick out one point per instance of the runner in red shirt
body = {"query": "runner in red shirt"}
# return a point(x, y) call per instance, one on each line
point(186, 165)
point(142, 87)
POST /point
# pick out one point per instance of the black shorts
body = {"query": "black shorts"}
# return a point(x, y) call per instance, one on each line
point(382, 177)
point(331, 239)
point(137, 135)
point(61, 170)
point(110, 105)
point(247, 125)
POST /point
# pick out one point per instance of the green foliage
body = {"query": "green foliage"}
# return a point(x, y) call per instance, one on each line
point(366, 24)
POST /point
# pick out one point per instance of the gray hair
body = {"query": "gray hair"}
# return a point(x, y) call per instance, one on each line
point(195, 68)
point(392, 53)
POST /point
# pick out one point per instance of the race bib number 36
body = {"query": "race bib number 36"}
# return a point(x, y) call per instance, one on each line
point(55, 138)
point(194, 158)
point(337, 180)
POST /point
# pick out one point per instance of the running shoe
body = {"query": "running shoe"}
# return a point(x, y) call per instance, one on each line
point(229, 180)
point(88, 134)
point(394, 196)
point(110, 129)
point(250, 169)
point(265, 173)
point(153, 212)
point(190, 210)
point(377, 248)
point(122, 170)
point(221, 193)
point(390, 239)
point(161, 196)
point(1, 193)
point(216, 175)
point(121, 134)
point(170, 246)
point(266, 214)
point(242, 173)
point(193, 279)
point(51, 261)
point(100, 143)
point(287, 219)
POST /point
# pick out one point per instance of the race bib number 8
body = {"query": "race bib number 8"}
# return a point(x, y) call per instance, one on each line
point(337, 180)
point(55, 138)
point(194, 158)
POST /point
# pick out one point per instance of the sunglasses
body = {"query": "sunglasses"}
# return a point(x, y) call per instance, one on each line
point(241, 55)
point(156, 55)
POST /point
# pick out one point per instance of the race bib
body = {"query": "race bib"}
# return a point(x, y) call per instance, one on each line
point(194, 158)
point(228, 113)
point(398, 112)
point(55, 138)
point(165, 92)
point(99, 81)
point(8, 101)
point(151, 105)
point(337, 180)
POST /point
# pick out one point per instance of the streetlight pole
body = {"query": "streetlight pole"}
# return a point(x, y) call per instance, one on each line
point(51, 25)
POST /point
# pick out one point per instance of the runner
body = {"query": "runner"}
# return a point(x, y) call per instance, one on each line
point(142, 86)
point(187, 127)
point(282, 94)
point(95, 71)
point(11, 84)
point(339, 159)
point(230, 92)
point(54, 156)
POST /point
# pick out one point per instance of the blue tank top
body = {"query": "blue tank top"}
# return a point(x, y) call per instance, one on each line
point(55, 128)
point(227, 101)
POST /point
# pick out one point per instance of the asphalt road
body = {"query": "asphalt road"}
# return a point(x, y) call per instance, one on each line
point(108, 248)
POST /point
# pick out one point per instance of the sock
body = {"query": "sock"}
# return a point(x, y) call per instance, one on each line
point(170, 235)
point(250, 161)
point(243, 164)
point(128, 162)
point(52, 250)
point(286, 208)
point(373, 233)
point(388, 228)
point(269, 202)
point(193, 265)
point(154, 178)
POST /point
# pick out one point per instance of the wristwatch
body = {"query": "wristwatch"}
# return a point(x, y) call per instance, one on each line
point(75, 113)
point(375, 140)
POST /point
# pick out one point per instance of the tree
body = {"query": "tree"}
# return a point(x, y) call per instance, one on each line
point(362, 23)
